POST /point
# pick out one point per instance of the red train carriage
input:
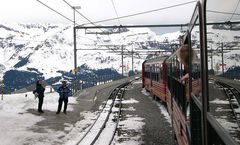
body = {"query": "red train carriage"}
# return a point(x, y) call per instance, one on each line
point(161, 77)
point(154, 77)
point(187, 101)
point(177, 99)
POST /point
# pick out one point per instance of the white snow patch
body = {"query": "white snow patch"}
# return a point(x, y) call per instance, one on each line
point(131, 101)
point(137, 82)
point(17, 121)
point(163, 110)
point(144, 92)
point(220, 109)
point(231, 127)
point(218, 101)
point(131, 123)
point(80, 128)
point(128, 109)
point(237, 110)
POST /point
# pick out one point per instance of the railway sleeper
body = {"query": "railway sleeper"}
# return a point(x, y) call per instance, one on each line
point(235, 106)
point(238, 116)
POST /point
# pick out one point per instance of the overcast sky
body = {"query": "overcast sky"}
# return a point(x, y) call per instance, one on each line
point(31, 11)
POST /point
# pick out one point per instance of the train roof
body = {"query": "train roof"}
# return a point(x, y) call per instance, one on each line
point(161, 59)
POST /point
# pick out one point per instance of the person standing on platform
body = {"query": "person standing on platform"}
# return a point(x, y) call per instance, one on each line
point(64, 93)
point(39, 93)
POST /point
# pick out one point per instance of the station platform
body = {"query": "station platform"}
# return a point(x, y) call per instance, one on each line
point(143, 121)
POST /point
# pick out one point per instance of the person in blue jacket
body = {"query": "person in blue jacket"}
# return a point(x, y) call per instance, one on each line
point(64, 93)
point(39, 93)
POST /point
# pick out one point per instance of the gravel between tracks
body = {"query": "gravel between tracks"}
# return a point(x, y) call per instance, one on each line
point(157, 129)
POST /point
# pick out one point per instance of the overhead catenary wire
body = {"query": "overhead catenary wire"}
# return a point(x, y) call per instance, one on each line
point(115, 11)
point(79, 12)
point(220, 12)
point(90, 22)
point(54, 11)
point(117, 18)
point(144, 12)
point(235, 10)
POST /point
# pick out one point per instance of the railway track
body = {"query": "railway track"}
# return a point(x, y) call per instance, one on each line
point(102, 131)
point(234, 99)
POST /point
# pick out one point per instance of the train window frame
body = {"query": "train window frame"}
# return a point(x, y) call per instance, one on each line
point(203, 106)
point(147, 71)
point(158, 72)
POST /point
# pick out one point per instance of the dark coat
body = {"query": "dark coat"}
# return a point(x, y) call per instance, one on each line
point(40, 90)
point(64, 92)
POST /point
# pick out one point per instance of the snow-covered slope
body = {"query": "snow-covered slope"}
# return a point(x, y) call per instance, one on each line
point(221, 37)
point(47, 50)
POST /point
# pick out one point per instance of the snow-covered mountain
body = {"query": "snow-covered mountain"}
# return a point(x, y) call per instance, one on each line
point(220, 37)
point(46, 51)
point(49, 48)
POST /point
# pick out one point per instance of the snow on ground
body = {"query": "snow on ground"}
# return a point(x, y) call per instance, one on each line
point(231, 127)
point(81, 127)
point(131, 101)
point(237, 110)
point(144, 92)
point(133, 123)
point(164, 112)
point(218, 101)
point(16, 121)
point(220, 109)
point(162, 108)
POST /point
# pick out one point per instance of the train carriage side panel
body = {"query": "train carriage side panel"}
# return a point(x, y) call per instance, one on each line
point(179, 121)
point(177, 100)
point(159, 86)
point(143, 74)
point(153, 80)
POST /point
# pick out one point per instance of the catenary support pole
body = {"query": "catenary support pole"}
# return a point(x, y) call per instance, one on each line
point(122, 60)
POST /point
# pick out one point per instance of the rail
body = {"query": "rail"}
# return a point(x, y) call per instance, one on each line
point(234, 99)
point(218, 135)
point(93, 133)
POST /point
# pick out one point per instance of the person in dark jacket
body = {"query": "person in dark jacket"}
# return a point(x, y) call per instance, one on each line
point(64, 93)
point(39, 92)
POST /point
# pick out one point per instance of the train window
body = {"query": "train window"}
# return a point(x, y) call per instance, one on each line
point(162, 69)
point(176, 67)
point(195, 61)
point(147, 71)
point(153, 73)
point(223, 44)
point(158, 72)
